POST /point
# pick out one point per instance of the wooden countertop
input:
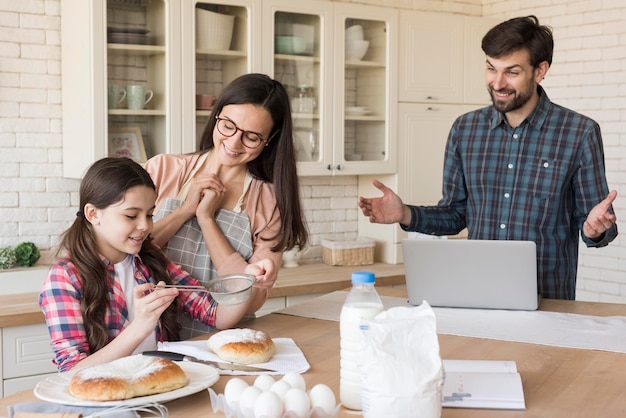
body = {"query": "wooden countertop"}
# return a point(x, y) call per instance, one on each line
point(20, 309)
point(322, 278)
point(558, 382)
point(23, 308)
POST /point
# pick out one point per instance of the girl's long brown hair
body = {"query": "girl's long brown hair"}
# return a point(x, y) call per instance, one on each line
point(104, 184)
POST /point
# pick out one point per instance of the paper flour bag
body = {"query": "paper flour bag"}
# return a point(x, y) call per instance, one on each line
point(402, 373)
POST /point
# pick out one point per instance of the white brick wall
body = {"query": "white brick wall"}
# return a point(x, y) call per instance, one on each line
point(36, 203)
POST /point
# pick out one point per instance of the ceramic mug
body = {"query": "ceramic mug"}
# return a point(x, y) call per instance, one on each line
point(115, 96)
point(291, 257)
point(138, 96)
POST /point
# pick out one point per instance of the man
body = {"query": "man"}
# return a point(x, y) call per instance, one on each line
point(523, 168)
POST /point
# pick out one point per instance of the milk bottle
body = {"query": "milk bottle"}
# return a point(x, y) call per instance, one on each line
point(362, 302)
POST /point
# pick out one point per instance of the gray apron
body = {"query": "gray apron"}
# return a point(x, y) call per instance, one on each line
point(187, 246)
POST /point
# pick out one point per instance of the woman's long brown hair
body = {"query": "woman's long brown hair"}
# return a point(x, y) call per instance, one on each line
point(277, 162)
point(104, 184)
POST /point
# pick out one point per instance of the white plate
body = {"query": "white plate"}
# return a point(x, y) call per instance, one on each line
point(357, 110)
point(55, 388)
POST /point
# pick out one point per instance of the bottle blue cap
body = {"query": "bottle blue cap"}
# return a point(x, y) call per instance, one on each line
point(363, 277)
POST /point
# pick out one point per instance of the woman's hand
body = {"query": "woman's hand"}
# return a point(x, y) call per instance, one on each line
point(265, 271)
point(211, 199)
point(202, 194)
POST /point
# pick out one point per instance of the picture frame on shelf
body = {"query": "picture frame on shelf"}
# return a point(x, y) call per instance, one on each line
point(127, 142)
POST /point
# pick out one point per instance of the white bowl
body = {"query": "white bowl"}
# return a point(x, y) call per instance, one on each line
point(354, 33)
point(289, 45)
point(356, 50)
point(306, 32)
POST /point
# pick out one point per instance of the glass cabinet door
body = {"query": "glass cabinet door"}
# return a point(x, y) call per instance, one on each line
point(298, 32)
point(366, 100)
point(137, 75)
point(224, 48)
point(297, 67)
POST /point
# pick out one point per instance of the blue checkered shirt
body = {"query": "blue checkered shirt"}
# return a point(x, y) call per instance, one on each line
point(535, 182)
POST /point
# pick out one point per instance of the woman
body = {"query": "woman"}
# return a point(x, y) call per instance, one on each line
point(105, 299)
point(236, 200)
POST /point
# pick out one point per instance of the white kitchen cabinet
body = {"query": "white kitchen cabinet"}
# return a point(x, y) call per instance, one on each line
point(474, 88)
point(96, 54)
point(424, 128)
point(161, 45)
point(26, 357)
point(441, 59)
point(305, 72)
point(221, 40)
point(365, 94)
point(431, 57)
point(349, 129)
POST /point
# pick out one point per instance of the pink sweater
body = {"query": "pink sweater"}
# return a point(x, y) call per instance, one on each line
point(169, 172)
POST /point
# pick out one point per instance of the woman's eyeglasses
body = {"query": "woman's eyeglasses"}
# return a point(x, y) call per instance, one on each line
point(228, 128)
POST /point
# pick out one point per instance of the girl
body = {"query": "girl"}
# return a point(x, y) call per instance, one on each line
point(105, 299)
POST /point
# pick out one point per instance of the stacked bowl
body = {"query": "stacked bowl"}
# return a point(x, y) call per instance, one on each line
point(356, 46)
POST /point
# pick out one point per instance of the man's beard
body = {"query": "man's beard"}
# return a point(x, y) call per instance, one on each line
point(519, 100)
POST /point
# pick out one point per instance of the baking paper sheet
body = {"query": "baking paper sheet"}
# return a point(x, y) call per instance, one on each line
point(287, 358)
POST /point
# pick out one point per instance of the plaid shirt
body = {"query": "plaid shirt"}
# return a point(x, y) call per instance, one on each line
point(536, 182)
point(60, 302)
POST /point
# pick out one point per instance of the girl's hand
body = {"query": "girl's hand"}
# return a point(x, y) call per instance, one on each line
point(150, 302)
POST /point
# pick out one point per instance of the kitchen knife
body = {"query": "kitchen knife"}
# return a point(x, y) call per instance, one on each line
point(170, 355)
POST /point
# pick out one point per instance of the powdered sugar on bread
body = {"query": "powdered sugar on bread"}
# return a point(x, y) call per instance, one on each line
point(127, 368)
point(237, 335)
point(127, 378)
point(242, 345)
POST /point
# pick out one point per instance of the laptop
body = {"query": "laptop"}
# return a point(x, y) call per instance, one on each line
point(464, 273)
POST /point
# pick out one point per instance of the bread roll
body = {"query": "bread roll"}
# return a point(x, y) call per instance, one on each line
point(126, 378)
point(242, 346)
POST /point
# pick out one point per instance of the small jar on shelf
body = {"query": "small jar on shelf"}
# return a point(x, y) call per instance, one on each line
point(304, 101)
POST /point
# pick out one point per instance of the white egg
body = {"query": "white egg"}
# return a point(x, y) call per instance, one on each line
point(295, 380)
point(323, 397)
point(264, 382)
point(233, 389)
point(248, 399)
point(268, 405)
point(297, 402)
point(280, 387)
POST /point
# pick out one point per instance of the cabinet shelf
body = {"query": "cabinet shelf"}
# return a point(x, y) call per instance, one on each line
point(364, 64)
point(136, 49)
point(221, 53)
point(132, 112)
point(373, 118)
point(301, 58)
point(306, 116)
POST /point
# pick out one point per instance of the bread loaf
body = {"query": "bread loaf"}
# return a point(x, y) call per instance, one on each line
point(126, 378)
point(242, 346)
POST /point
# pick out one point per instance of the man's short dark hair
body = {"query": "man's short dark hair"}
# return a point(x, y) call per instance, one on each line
point(518, 34)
